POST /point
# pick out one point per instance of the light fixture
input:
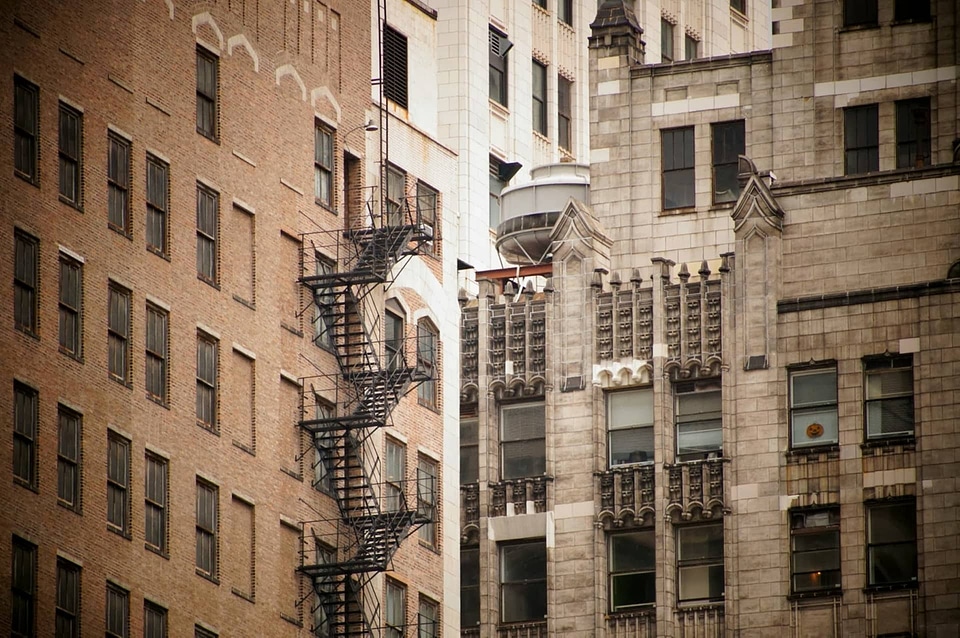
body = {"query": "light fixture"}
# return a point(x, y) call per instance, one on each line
point(370, 126)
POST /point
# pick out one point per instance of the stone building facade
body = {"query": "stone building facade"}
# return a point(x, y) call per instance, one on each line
point(730, 410)
point(179, 376)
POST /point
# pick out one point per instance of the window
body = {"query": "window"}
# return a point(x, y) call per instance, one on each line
point(118, 484)
point(158, 189)
point(395, 66)
point(393, 343)
point(632, 570)
point(68, 457)
point(427, 343)
point(396, 469)
point(913, 132)
point(118, 183)
point(539, 98)
point(691, 48)
point(323, 464)
point(325, 310)
point(25, 434)
point(892, 543)
point(889, 396)
point(728, 146)
point(118, 333)
point(813, 407)
point(207, 364)
point(540, 3)
point(739, 5)
point(156, 355)
point(427, 500)
point(523, 440)
point(469, 587)
point(154, 620)
point(496, 186)
point(427, 213)
point(23, 582)
point(700, 562)
point(71, 155)
point(815, 550)
point(469, 450)
point(68, 599)
point(395, 609)
point(396, 196)
point(666, 40)
point(699, 419)
point(523, 582)
point(207, 89)
point(859, 13)
point(208, 229)
point(323, 164)
point(118, 612)
point(207, 506)
point(155, 502)
point(71, 306)
point(200, 632)
point(911, 10)
point(428, 619)
point(499, 47)
point(323, 588)
point(630, 426)
point(26, 282)
point(565, 11)
point(678, 172)
point(861, 141)
point(564, 112)
point(26, 129)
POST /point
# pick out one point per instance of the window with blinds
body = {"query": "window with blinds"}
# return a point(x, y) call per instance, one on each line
point(522, 440)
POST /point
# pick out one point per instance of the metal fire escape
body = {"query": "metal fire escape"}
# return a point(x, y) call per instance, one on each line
point(346, 273)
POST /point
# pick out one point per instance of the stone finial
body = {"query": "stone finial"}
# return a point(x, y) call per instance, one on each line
point(635, 278)
point(462, 296)
point(615, 281)
point(528, 289)
point(597, 280)
point(664, 266)
point(704, 271)
point(510, 288)
point(548, 287)
point(683, 273)
point(726, 262)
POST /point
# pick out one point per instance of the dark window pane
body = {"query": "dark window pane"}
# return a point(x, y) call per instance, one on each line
point(395, 65)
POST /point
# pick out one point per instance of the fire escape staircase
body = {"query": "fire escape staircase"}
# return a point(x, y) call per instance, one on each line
point(371, 525)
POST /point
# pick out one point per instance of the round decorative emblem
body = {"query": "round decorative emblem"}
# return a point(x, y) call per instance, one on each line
point(814, 430)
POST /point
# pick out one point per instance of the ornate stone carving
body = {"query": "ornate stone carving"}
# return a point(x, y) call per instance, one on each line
point(695, 490)
point(626, 496)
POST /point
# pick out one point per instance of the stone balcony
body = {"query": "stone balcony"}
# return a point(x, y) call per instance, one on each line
point(704, 621)
point(695, 490)
point(514, 497)
point(626, 496)
point(523, 630)
point(469, 512)
point(633, 624)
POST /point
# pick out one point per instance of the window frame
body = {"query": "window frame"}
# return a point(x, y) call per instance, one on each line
point(614, 573)
point(470, 610)
point(117, 593)
point(538, 92)
point(668, 35)
point(565, 12)
point(396, 195)
point(324, 164)
point(428, 356)
point(119, 177)
point(725, 168)
point(678, 173)
point(911, 11)
point(26, 283)
point(395, 66)
point(610, 398)
point(681, 390)
point(506, 443)
point(427, 499)
point(26, 155)
point(470, 444)
point(70, 307)
point(913, 137)
point(872, 545)
point(208, 235)
point(393, 341)
point(158, 206)
point(325, 312)
point(157, 351)
point(510, 590)
point(208, 93)
point(428, 617)
point(813, 407)
point(155, 497)
point(394, 474)
point(70, 153)
point(119, 473)
point(859, 14)
point(69, 457)
point(68, 599)
point(691, 47)
point(395, 619)
point(881, 366)
point(323, 446)
point(564, 113)
point(23, 585)
point(152, 610)
point(861, 139)
point(499, 67)
point(689, 564)
point(207, 527)
point(739, 5)
point(428, 205)
point(118, 343)
point(26, 427)
point(804, 527)
point(208, 381)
